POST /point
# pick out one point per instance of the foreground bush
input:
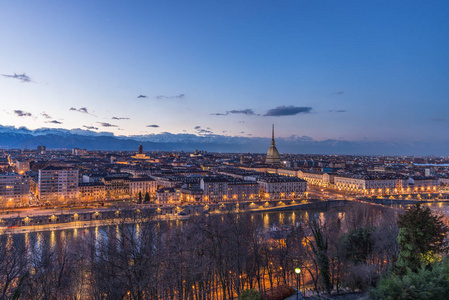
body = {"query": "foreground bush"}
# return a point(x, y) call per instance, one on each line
point(250, 294)
point(427, 283)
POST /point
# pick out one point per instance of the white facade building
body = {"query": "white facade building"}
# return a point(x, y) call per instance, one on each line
point(142, 185)
point(281, 187)
point(58, 184)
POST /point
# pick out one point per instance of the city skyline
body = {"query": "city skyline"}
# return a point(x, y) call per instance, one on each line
point(346, 71)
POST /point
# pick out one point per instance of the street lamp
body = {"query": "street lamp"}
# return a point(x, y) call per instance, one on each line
point(298, 278)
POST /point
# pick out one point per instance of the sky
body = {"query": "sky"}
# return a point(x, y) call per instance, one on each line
point(345, 70)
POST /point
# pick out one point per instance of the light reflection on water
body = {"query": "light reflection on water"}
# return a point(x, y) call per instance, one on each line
point(27, 239)
point(52, 239)
point(264, 220)
point(39, 238)
point(281, 218)
point(322, 219)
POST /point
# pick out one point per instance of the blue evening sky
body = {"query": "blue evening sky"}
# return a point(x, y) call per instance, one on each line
point(352, 70)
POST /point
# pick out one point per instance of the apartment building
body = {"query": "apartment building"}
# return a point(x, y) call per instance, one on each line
point(14, 189)
point(58, 184)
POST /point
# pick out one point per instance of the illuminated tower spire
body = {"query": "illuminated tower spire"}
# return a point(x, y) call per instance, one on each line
point(273, 157)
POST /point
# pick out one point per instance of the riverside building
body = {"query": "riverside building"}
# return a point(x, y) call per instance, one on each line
point(58, 184)
point(14, 189)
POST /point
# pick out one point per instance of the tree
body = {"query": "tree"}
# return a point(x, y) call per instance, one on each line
point(426, 283)
point(147, 197)
point(358, 244)
point(320, 247)
point(249, 294)
point(421, 238)
point(140, 197)
point(13, 267)
point(127, 260)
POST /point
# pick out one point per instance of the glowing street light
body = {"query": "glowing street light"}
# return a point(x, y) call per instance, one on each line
point(298, 280)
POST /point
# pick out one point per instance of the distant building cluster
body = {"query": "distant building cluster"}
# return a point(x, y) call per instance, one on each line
point(45, 177)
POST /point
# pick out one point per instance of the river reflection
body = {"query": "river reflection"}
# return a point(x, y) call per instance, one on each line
point(265, 220)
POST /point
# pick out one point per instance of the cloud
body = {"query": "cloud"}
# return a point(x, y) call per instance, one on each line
point(339, 93)
point(200, 130)
point(22, 77)
point(248, 112)
point(205, 131)
point(104, 124)
point(53, 122)
point(153, 126)
point(81, 110)
point(437, 119)
point(338, 111)
point(290, 110)
point(142, 96)
point(180, 96)
point(45, 115)
point(90, 127)
point(119, 118)
point(21, 113)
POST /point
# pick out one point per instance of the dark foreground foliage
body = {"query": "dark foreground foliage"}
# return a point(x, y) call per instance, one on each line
point(207, 257)
point(421, 271)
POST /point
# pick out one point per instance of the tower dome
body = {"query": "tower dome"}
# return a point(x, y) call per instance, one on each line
point(273, 157)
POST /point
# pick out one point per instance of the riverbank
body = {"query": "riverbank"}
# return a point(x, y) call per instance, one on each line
point(388, 202)
point(85, 224)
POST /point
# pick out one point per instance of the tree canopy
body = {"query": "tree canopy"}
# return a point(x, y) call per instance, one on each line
point(421, 238)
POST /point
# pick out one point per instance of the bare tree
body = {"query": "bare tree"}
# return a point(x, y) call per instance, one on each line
point(13, 267)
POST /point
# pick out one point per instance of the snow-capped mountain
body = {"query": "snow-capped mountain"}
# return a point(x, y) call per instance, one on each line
point(54, 138)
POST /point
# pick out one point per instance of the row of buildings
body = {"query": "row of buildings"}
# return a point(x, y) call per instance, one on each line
point(58, 185)
point(365, 182)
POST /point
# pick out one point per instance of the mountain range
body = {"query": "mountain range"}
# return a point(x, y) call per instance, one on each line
point(58, 138)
